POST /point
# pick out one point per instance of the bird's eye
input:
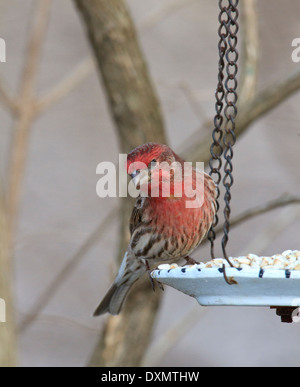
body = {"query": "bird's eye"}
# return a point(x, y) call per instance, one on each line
point(152, 163)
point(134, 173)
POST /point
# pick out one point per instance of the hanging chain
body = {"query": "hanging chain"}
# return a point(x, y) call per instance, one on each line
point(230, 111)
point(228, 54)
point(216, 148)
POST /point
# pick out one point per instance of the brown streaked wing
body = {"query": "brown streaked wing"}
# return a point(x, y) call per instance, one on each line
point(135, 219)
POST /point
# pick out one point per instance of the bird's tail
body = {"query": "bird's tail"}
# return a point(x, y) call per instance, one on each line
point(130, 271)
point(113, 300)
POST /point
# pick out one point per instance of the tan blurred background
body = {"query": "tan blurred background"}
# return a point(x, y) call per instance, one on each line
point(60, 209)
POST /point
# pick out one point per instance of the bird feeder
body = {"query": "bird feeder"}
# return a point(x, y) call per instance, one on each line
point(242, 281)
point(255, 281)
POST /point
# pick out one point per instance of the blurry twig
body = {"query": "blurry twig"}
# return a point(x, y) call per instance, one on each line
point(268, 98)
point(264, 101)
point(66, 85)
point(87, 66)
point(284, 219)
point(250, 52)
point(69, 267)
point(192, 99)
point(26, 111)
point(157, 351)
point(283, 200)
point(252, 104)
point(199, 149)
point(8, 347)
point(26, 107)
point(60, 320)
point(164, 11)
point(136, 111)
point(7, 100)
point(22, 108)
point(250, 62)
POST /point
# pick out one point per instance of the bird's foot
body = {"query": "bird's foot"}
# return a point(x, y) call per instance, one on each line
point(149, 274)
point(160, 285)
point(191, 261)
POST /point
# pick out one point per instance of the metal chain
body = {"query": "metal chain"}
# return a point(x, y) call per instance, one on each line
point(216, 148)
point(227, 90)
point(230, 111)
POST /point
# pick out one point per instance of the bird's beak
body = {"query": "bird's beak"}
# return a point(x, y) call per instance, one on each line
point(134, 174)
point(140, 178)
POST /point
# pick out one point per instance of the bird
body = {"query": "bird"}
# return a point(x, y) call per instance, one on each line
point(164, 226)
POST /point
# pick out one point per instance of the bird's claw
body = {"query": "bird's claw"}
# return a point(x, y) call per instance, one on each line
point(160, 285)
point(191, 261)
point(149, 274)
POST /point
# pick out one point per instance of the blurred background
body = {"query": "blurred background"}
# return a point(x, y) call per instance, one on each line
point(60, 268)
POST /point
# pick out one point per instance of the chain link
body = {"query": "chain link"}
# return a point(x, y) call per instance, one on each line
point(226, 90)
point(216, 148)
point(230, 111)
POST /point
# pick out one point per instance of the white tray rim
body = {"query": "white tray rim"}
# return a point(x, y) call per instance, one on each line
point(256, 287)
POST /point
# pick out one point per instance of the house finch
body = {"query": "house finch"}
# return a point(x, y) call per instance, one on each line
point(166, 223)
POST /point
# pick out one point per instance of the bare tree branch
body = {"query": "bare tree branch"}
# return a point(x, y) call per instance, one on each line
point(163, 12)
point(159, 349)
point(196, 107)
point(250, 52)
point(283, 220)
point(264, 101)
point(7, 330)
point(26, 110)
point(251, 104)
point(60, 320)
point(6, 100)
point(269, 98)
point(248, 69)
point(69, 267)
point(17, 163)
point(284, 200)
point(65, 86)
point(136, 112)
point(85, 68)
point(247, 83)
